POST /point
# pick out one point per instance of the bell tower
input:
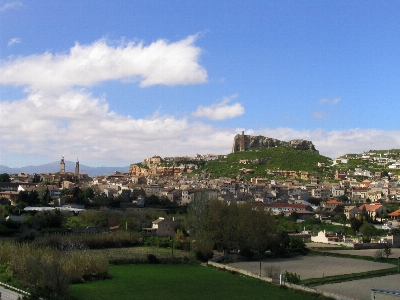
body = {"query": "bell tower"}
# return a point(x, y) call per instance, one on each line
point(77, 168)
point(62, 166)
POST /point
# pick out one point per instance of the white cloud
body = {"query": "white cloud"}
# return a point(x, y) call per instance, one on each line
point(59, 116)
point(70, 121)
point(220, 111)
point(85, 65)
point(13, 41)
point(320, 115)
point(77, 124)
point(10, 5)
point(333, 101)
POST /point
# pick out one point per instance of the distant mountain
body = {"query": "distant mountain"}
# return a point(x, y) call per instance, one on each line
point(69, 167)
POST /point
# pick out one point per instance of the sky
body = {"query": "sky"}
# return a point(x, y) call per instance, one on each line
point(114, 82)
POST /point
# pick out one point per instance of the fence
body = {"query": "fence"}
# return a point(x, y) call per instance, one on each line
point(287, 284)
point(12, 288)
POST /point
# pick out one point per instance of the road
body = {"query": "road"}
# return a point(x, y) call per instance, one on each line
point(6, 294)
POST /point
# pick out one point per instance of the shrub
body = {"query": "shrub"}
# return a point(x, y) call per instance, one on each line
point(292, 278)
point(153, 259)
point(158, 241)
point(272, 271)
point(387, 250)
point(378, 253)
point(203, 250)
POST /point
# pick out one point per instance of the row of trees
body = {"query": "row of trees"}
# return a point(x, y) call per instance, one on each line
point(234, 227)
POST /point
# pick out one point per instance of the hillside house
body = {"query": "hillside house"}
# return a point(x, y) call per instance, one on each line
point(332, 205)
point(162, 227)
point(375, 210)
point(395, 215)
point(325, 237)
point(351, 211)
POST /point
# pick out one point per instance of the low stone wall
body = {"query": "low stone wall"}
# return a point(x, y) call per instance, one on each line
point(360, 246)
point(267, 279)
point(240, 271)
point(378, 294)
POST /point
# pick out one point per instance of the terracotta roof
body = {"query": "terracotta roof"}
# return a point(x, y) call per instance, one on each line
point(370, 207)
point(396, 213)
point(304, 212)
point(334, 202)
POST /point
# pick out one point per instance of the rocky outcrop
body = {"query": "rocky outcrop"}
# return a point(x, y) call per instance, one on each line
point(242, 142)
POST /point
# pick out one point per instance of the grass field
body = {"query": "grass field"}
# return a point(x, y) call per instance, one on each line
point(180, 282)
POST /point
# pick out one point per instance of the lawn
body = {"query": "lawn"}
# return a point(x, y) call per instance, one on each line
point(179, 282)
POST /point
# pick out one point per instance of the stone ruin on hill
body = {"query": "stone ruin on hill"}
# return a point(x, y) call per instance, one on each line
point(242, 142)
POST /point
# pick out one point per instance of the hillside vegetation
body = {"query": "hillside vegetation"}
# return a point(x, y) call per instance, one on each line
point(262, 159)
point(374, 161)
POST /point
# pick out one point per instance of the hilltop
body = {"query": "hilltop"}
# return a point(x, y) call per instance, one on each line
point(266, 162)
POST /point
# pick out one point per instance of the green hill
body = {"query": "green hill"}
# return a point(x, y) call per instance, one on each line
point(262, 159)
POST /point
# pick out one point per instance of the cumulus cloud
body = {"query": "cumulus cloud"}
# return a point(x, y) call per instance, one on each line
point(333, 101)
point(221, 110)
point(13, 41)
point(10, 5)
point(60, 116)
point(160, 62)
point(77, 124)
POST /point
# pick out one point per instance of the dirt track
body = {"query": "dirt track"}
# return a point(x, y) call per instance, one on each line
point(361, 289)
point(313, 266)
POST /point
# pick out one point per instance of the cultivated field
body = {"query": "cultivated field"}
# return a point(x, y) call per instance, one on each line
point(313, 266)
point(365, 252)
point(361, 289)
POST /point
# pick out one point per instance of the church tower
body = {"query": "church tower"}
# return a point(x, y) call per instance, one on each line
point(77, 168)
point(62, 166)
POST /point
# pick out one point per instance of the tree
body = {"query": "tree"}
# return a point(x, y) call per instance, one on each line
point(44, 194)
point(355, 224)
point(4, 201)
point(368, 230)
point(387, 250)
point(342, 219)
point(88, 193)
point(297, 245)
point(5, 177)
point(26, 198)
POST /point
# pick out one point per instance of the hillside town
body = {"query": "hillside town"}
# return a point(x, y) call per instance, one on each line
point(179, 186)
point(161, 197)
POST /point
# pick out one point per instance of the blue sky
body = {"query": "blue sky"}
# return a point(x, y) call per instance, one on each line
point(113, 82)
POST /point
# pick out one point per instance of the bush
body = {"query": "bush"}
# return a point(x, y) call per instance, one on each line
point(379, 254)
point(157, 241)
point(292, 278)
point(272, 271)
point(153, 259)
point(204, 250)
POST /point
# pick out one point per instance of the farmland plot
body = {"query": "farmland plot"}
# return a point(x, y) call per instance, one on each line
point(313, 266)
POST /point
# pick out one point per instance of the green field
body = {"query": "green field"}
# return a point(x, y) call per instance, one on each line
point(179, 282)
